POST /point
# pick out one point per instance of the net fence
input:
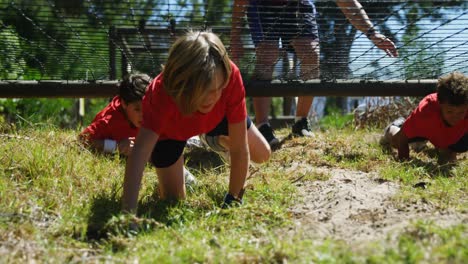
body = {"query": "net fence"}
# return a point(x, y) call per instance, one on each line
point(102, 40)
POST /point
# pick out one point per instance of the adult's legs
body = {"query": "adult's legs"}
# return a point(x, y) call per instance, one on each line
point(267, 53)
point(266, 56)
point(307, 50)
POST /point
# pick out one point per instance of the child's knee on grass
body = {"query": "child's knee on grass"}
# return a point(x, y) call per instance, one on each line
point(260, 153)
point(260, 150)
point(171, 181)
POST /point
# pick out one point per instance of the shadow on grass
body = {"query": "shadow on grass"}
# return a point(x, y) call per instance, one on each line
point(202, 158)
point(103, 207)
point(431, 165)
point(160, 210)
point(106, 219)
point(433, 168)
point(282, 142)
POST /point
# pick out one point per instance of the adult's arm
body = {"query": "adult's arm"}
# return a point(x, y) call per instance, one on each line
point(238, 12)
point(357, 16)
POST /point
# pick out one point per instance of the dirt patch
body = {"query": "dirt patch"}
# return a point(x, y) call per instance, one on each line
point(356, 206)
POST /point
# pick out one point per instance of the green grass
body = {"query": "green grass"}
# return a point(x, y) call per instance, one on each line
point(60, 203)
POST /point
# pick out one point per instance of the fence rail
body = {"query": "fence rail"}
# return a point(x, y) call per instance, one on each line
point(276, 88)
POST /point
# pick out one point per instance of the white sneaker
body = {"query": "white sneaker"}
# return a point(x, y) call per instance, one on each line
point(212, 142)
point(385, 138)
point(194, 142)
point(397, 124)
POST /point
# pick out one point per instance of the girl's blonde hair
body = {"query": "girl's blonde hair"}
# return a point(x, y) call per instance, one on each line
point(191, 68)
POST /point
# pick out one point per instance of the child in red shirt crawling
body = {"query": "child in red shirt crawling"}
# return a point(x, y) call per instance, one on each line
point(441, 118)
point(116, 126)
point(199, 91)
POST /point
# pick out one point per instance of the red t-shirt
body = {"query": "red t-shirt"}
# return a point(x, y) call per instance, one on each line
point(110, 123)
point(426, 121)
point(161, 114)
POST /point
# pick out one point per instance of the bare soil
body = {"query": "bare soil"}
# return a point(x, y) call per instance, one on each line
point(356, 206)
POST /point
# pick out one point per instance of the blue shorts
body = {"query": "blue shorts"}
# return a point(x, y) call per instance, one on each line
point(167, 152)
point(273, 21)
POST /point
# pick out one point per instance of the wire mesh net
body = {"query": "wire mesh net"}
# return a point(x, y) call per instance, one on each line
point(101, 40)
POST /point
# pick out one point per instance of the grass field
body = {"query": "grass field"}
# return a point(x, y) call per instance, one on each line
point(60, 203)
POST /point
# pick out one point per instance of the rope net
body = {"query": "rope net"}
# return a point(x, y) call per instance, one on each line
point(101, 40)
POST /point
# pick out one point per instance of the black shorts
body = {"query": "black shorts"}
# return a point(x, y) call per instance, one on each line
point(167, 152)
point(461, 145)
point(269, 21)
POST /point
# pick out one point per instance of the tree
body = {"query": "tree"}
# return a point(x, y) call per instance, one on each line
point(337, 36)
point(12, 63)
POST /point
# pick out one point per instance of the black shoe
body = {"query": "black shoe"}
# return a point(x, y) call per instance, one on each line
point(268, 134)
point(302, 128)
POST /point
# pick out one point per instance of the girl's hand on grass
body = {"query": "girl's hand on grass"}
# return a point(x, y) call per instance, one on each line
point(230, 200)
point(126, 145)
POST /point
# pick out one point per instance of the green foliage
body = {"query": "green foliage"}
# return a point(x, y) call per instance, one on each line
point(12, 63)
point(57, 112)
point(54, 111)
point(335, 119)
point(421, 59)
point(69, 43)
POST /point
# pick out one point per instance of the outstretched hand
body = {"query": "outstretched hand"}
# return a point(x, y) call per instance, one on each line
point(230, 200)
point(385, 44)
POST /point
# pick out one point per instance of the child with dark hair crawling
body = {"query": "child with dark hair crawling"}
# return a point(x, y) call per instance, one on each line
point(441, 118)
point(199, 91)
point(114, 128)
